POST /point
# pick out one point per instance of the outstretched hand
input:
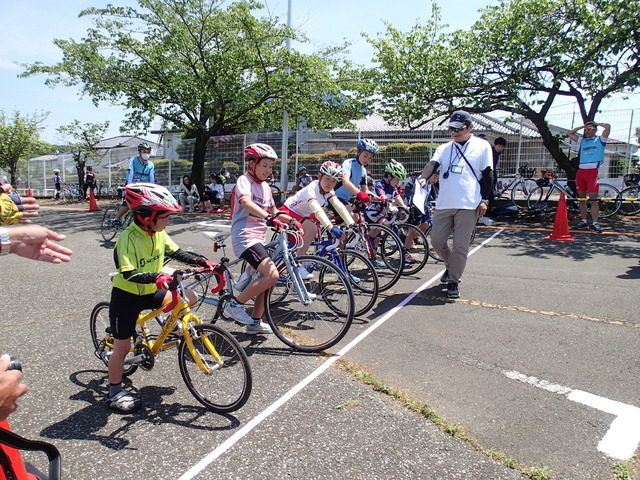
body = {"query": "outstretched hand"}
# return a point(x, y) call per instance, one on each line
point(36, 242)
point(16, 209)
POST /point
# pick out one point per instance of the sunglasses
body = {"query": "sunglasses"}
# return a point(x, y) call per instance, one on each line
point(454, 129)
point(162, 217)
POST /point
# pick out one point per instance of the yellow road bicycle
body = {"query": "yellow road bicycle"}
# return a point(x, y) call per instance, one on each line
point(213, 365)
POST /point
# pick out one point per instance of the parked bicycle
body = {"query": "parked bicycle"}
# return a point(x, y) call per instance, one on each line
point(307, 315)
point(520, 187)
point(213, 365)
point(71, 193)
point(109, 227)
point(549, 190)
point(630, 196)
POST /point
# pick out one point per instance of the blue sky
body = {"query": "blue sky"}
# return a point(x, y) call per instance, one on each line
point(29, 26)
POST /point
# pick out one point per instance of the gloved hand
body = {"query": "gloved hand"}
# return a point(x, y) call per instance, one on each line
point(274, 222)
point(162, 282)
point(210, 265)
point(295, 223)
point(363, 197)
point(336, 232)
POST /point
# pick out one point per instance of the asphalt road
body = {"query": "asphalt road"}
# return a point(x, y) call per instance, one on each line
point(537, 360)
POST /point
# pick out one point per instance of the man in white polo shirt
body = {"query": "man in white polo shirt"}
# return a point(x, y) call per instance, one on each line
point(463, 168)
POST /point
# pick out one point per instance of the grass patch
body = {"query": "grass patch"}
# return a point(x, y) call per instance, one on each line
point(628, 470)
point(349, 404)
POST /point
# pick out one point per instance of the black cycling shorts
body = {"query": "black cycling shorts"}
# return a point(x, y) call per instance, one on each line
point(125, 308)
point(255, 254)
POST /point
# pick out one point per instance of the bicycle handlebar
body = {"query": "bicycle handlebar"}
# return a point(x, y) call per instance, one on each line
point(179, 275)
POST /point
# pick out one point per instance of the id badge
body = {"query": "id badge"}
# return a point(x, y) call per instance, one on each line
point(456, 169)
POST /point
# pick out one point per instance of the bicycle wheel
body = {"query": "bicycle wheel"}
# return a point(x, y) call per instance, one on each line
point(609, 200)
point(362, 277)
point(391, 272)
point(630, 204)
point(521, 190)
point(100, 328)
point(322, 323)
point(392, 252)
point(432, 252)
point(107, 229)
point(227, 384)
point(538, 198)
point(420, 252)
point(277, 195)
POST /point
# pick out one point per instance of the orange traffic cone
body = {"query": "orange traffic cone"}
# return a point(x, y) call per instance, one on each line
point(93, 206)
point(561, 223)
point(29, 193)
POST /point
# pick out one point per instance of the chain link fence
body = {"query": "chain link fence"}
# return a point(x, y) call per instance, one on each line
point(413, 148)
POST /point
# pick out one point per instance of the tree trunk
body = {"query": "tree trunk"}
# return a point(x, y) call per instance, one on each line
point(199, 152)
point(551, 143)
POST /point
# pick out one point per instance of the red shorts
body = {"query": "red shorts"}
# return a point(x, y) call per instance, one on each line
point(587, 180)
point(294, 215)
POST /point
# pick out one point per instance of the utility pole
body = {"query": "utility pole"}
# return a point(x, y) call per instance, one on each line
point(284, 180)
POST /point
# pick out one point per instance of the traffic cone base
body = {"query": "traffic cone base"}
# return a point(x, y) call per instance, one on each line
point(93, 205)
point(561, 223)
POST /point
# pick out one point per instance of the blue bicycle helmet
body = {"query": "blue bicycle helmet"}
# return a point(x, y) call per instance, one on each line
point(369, 145)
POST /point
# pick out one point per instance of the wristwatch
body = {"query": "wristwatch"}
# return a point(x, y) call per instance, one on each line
point(484, 200)
point(5, 242)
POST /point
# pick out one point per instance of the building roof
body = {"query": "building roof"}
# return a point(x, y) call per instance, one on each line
point(483, 123)
point(121, 141)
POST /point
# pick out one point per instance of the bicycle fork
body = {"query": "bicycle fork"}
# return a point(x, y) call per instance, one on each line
point(298, 285)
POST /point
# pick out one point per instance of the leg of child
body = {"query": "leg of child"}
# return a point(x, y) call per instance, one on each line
point(267, 279)
point(310, 233)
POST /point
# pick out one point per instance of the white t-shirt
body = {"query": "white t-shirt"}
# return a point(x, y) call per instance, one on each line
point(218, 189)
point(462, 190)
point(299, 203)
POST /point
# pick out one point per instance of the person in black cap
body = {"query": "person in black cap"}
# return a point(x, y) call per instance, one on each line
point(463, 168)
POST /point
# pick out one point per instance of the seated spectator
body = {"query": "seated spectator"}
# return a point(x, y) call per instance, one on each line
point(188, 194)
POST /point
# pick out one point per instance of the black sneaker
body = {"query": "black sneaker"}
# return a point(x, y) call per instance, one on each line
point(452, 290)
point(582, 225)
point(445, 277)
point(595, 226)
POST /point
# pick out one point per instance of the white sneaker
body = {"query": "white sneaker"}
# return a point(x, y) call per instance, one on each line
point(304, 273)
point(485, 221)
point(237, 313)
point(258, 327)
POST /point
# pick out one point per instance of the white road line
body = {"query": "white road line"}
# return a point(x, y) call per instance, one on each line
point(237, 436)
point(623, 437)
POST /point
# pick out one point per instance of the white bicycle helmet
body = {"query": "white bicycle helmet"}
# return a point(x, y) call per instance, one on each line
point(332, 169)
point(256, 151)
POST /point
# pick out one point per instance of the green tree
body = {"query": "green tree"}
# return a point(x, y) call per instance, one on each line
point(19, 136)
point(206, 67)
point(521, 56)
point(81, 138)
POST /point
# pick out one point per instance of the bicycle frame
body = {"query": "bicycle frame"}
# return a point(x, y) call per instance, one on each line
point(279, 251)
point(179, 310)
